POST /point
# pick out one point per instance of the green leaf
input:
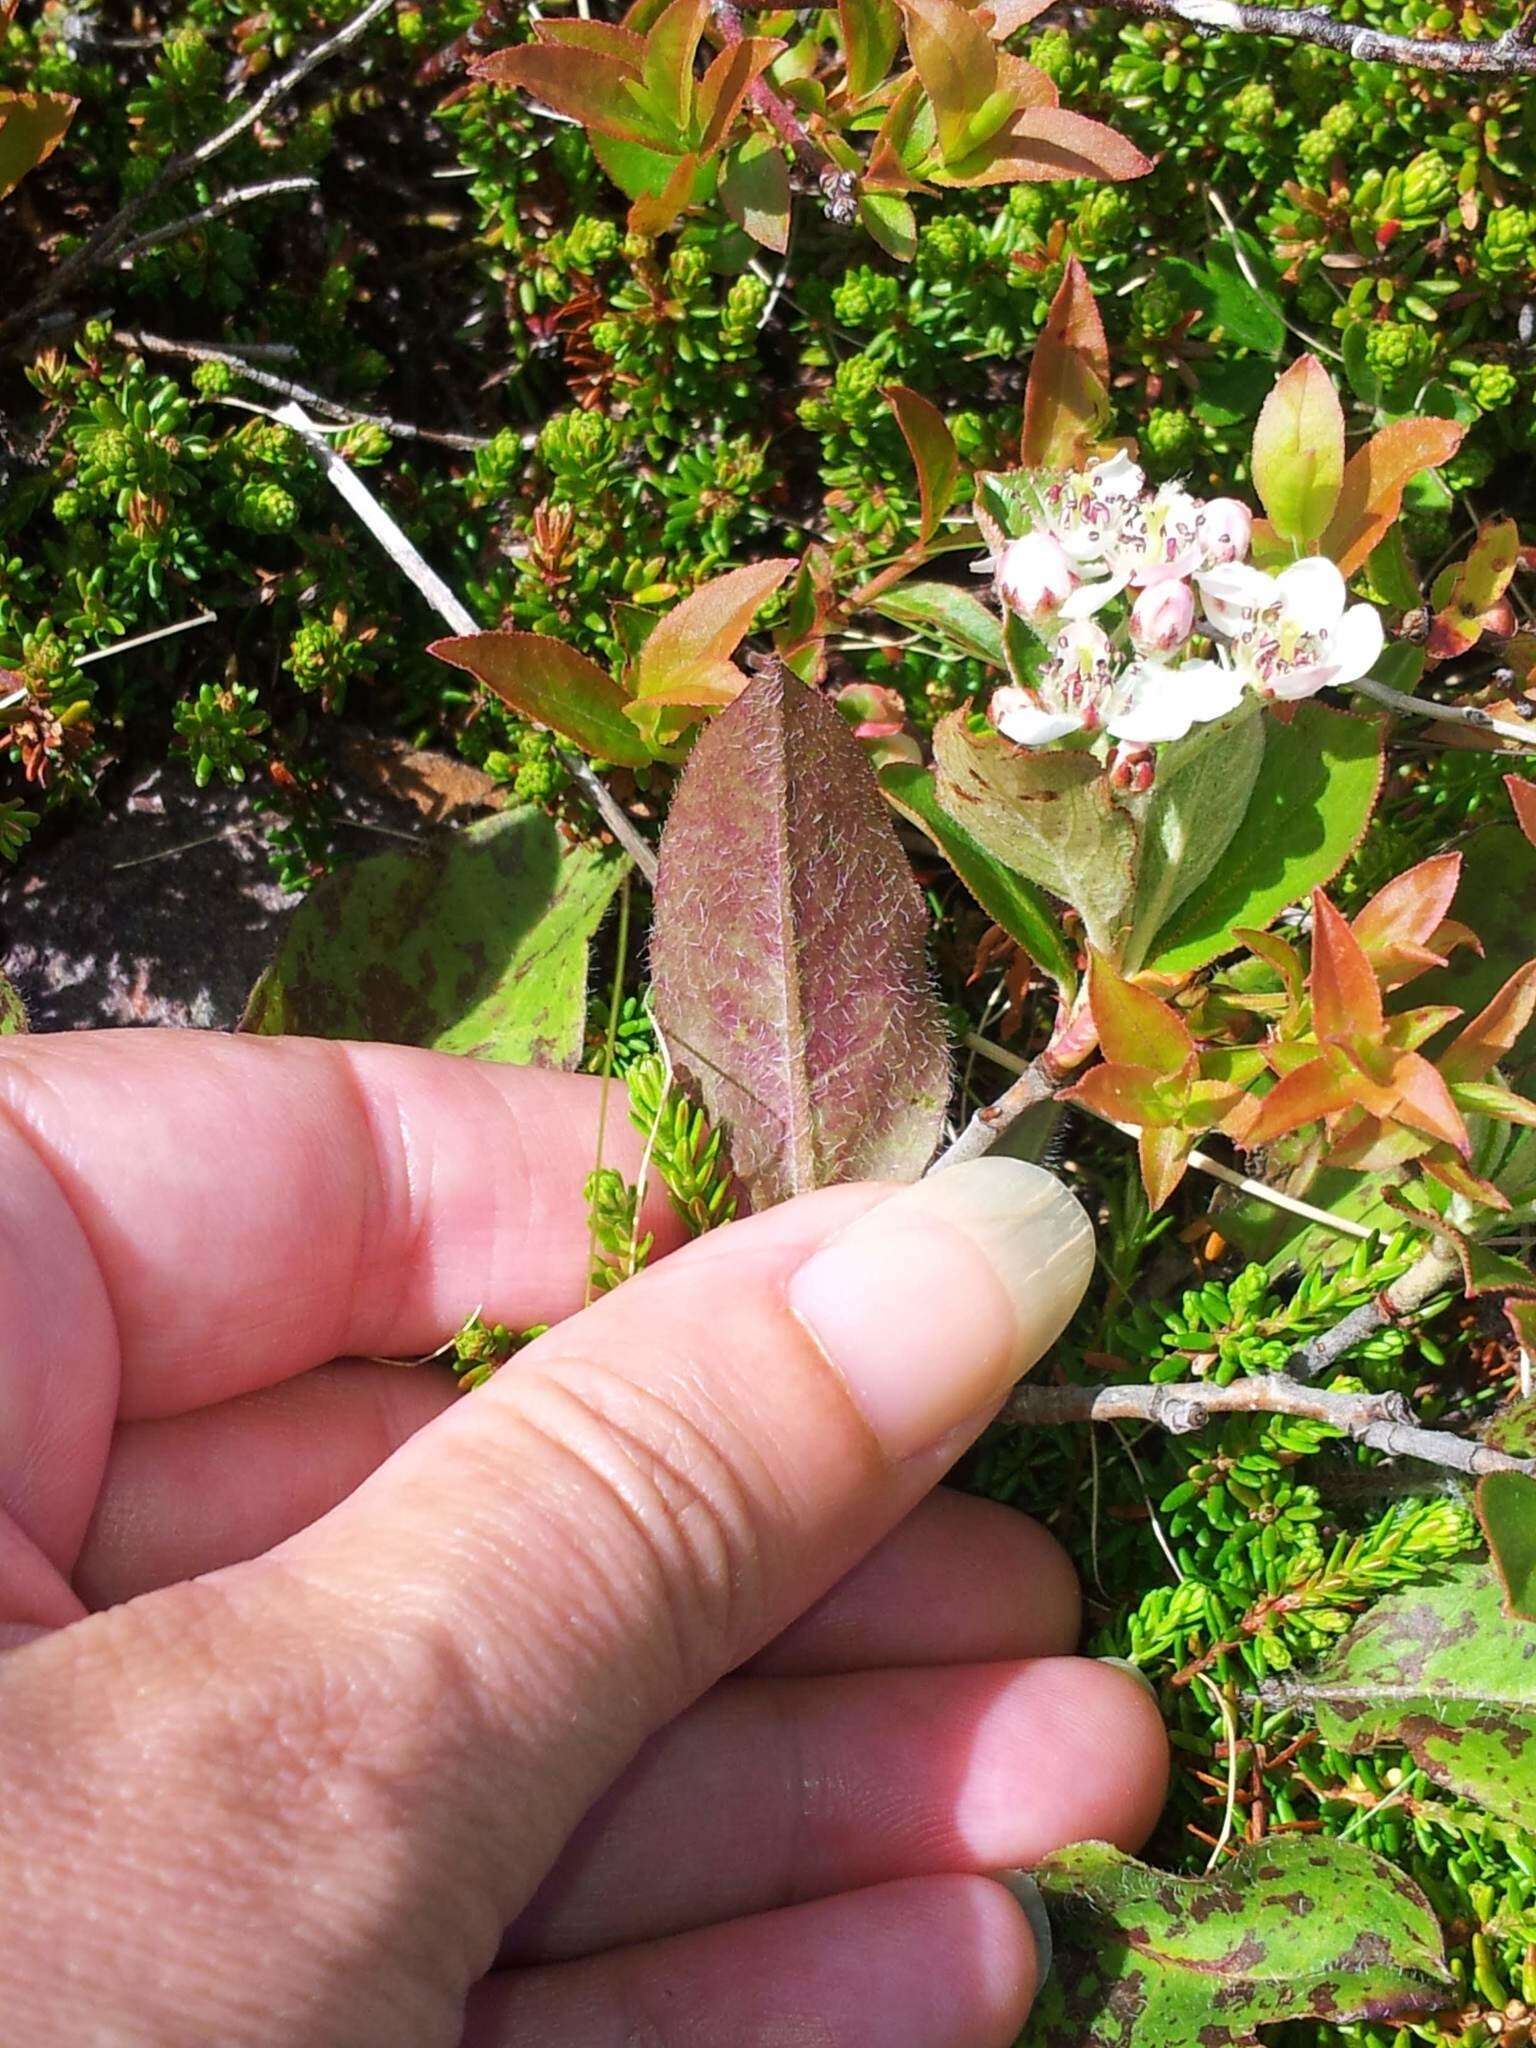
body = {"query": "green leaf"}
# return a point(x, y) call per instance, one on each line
point(934, 454)
point(1066, 396)
point(1311, 802)
point(949, 613)
point(1047, 814)
point(595, 90)
point(1292, 1928)
point(1203, 788)
point(754, 190)
point(32, 125)
point(1231, 392)
point(667, 66)
point(1298, 451)
point(475, 944)
point(1245, 317)
point(788, 955)
point(1498, 891)
point(1007, 898)
point(957, 63)
point(13, 1015)
point(1445, 1671)
point(891, 222)
point(871, 37)
point(1467, 589)
point(1506, 1507)
point(554, 685)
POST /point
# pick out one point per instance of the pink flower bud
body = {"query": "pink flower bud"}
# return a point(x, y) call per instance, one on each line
point(1035, 576)
point(1226, 528)
point(1162, 618)
point(1132, 769)
point(875, 711)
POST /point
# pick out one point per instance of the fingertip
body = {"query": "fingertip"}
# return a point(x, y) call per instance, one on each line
point(1119, 1707)
point(1008, 1958)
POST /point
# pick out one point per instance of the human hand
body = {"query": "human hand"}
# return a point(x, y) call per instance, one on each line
point(300, 1751)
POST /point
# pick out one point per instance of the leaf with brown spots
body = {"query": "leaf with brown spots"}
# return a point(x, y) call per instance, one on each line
point(476, 943)
point(1292, 1928)
point(13, 1015)
point(1445, 1671)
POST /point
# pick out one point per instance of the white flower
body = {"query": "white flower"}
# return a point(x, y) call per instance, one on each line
point(1294, 633)
point(1226, 530)
point(1035, 577)
point(1080, 690)
point(1162, 618)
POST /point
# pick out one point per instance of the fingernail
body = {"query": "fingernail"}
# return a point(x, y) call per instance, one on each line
point(1131, 1671)
point(932, 1304)
point(1023, 1888)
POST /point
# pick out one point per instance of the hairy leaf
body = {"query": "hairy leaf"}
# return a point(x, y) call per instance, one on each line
point(934, 454)
point(754, 190)
point(1066, 398)
point(32, 125)
point(1371, 494)
point(554, 685)
point(788, 952)
point(1292, 1928)
point(475, 944)
point(1203, 788)
point(1506, 1507)
point(1298, 451)
point(1008, 898)
point(687, 658)
point(1443, 1670)
point(1311, 802)
point(1049, 815)
point(949, 613)
point(13, 1015)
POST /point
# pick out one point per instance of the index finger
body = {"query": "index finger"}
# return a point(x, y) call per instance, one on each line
point(251, 1207)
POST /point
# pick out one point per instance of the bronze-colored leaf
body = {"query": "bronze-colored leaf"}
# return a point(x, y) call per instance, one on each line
point(788, 953)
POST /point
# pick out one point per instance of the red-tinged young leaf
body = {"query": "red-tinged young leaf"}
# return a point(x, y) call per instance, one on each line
point(1494, 1031)
point(934, 454)
point(1424, 1102)
point(655, 214)
point(1010, 15)
point(605, 37)
point(1041, 145)
point(1126, 1095)
point(726, 84)
point(554, 685)
point(1522, 795)
point(590, 89)
point(1346, 998)
point(1407, 1030)
point(1279, 954)
point(1411, 908)
point(1298, 451)
point(954, 57)
point(754, 190)
point(1066, 399)
point(1485, 1271)
point(671, 45)
point(32, 125)
point(1468, 589)
point(1133, 1027)
point(871, 38)
point(788, 955)
point(1371, 495)
point(1164, 1155)
point(1319, 1089)
point(687, 659)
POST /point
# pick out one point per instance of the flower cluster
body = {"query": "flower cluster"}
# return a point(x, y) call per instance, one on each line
point(1202, 625)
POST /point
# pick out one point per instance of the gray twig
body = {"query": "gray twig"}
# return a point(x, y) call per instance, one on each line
point(1432, 1271)
point(1383, 1421)
point(226, 202)
point(1505, 56)
point(1446, 714)
point(1038, 1082)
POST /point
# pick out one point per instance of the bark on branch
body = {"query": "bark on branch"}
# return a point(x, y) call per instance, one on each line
point(1383, 1421)
point(1507, 56)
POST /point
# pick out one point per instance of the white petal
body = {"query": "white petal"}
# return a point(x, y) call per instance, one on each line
point(1356, 643)
point(1027, 726)
point(1165, 702)
point(1089, 598)
point(1232, 594)
point(1287, 685)
point(1313, 593)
